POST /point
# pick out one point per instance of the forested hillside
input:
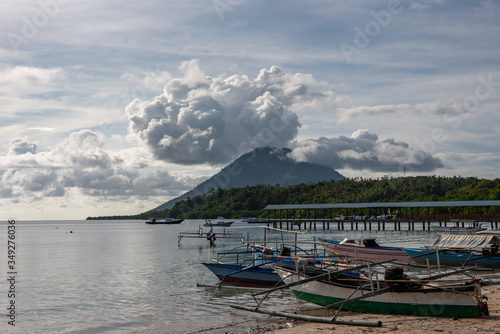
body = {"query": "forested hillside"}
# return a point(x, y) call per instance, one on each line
point(250, 201)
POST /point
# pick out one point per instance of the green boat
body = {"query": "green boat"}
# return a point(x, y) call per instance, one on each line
point(402, 296)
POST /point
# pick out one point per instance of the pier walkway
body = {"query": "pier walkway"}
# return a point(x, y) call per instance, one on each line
point(382, 216)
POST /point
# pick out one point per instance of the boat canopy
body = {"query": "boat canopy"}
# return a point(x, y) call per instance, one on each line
point(466, 241)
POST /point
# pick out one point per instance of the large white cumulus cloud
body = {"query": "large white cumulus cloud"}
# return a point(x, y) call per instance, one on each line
point(199, 119)
point(363, 151)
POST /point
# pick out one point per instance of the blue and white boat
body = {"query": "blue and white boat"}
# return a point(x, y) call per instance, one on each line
point(249, 264)
point(460, 250)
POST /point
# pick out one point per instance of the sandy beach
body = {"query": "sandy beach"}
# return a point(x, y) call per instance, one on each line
point(393, 323)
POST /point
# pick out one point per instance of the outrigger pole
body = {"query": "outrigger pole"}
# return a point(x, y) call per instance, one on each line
point(353, 322)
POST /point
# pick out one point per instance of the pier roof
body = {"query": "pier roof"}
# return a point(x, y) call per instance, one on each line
point(436, 204)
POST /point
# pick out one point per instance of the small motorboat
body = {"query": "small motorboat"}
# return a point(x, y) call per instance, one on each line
point(164, 221)
point(220, 222)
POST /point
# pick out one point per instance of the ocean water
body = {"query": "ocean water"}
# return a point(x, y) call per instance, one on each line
point(129, 277)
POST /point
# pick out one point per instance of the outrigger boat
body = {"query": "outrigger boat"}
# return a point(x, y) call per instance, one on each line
point(249, 264)
point(363, 249)
point(257, 271)
point(460, 250)
point(395, 294)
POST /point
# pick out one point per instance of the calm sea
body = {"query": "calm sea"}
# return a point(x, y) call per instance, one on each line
point(130, 277)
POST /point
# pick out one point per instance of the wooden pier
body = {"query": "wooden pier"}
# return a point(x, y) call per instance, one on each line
point(369, 225)
point(388, 216)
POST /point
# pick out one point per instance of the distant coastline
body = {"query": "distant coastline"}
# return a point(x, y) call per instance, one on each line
point(250, 201)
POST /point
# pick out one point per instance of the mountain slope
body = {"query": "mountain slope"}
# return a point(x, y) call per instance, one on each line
point(264, 165)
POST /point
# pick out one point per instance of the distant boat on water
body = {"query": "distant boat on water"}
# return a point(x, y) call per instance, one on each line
point(220, 222)
point(471, 227)
point(255, 220)
point(164, 221)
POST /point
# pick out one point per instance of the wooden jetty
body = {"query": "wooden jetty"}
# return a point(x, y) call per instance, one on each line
point(377, 216)
point(200, 234)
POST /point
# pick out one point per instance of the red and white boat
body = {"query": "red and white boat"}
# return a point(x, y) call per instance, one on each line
point(363, 249)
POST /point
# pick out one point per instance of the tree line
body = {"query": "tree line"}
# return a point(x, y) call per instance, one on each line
point(250, 201)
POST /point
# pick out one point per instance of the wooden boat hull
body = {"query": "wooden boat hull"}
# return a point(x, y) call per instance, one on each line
point(375, 254)
point(232, 273)
point(433, 303)
point(452, 259)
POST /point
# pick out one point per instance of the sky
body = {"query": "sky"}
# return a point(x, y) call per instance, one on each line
point(115, 107)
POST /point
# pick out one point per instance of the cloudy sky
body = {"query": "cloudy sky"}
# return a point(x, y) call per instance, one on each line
point(113, 107)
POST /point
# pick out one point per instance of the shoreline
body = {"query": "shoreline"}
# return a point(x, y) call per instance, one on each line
point(390, 323)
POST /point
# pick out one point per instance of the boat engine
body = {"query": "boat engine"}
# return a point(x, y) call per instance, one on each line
point(396, 273)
